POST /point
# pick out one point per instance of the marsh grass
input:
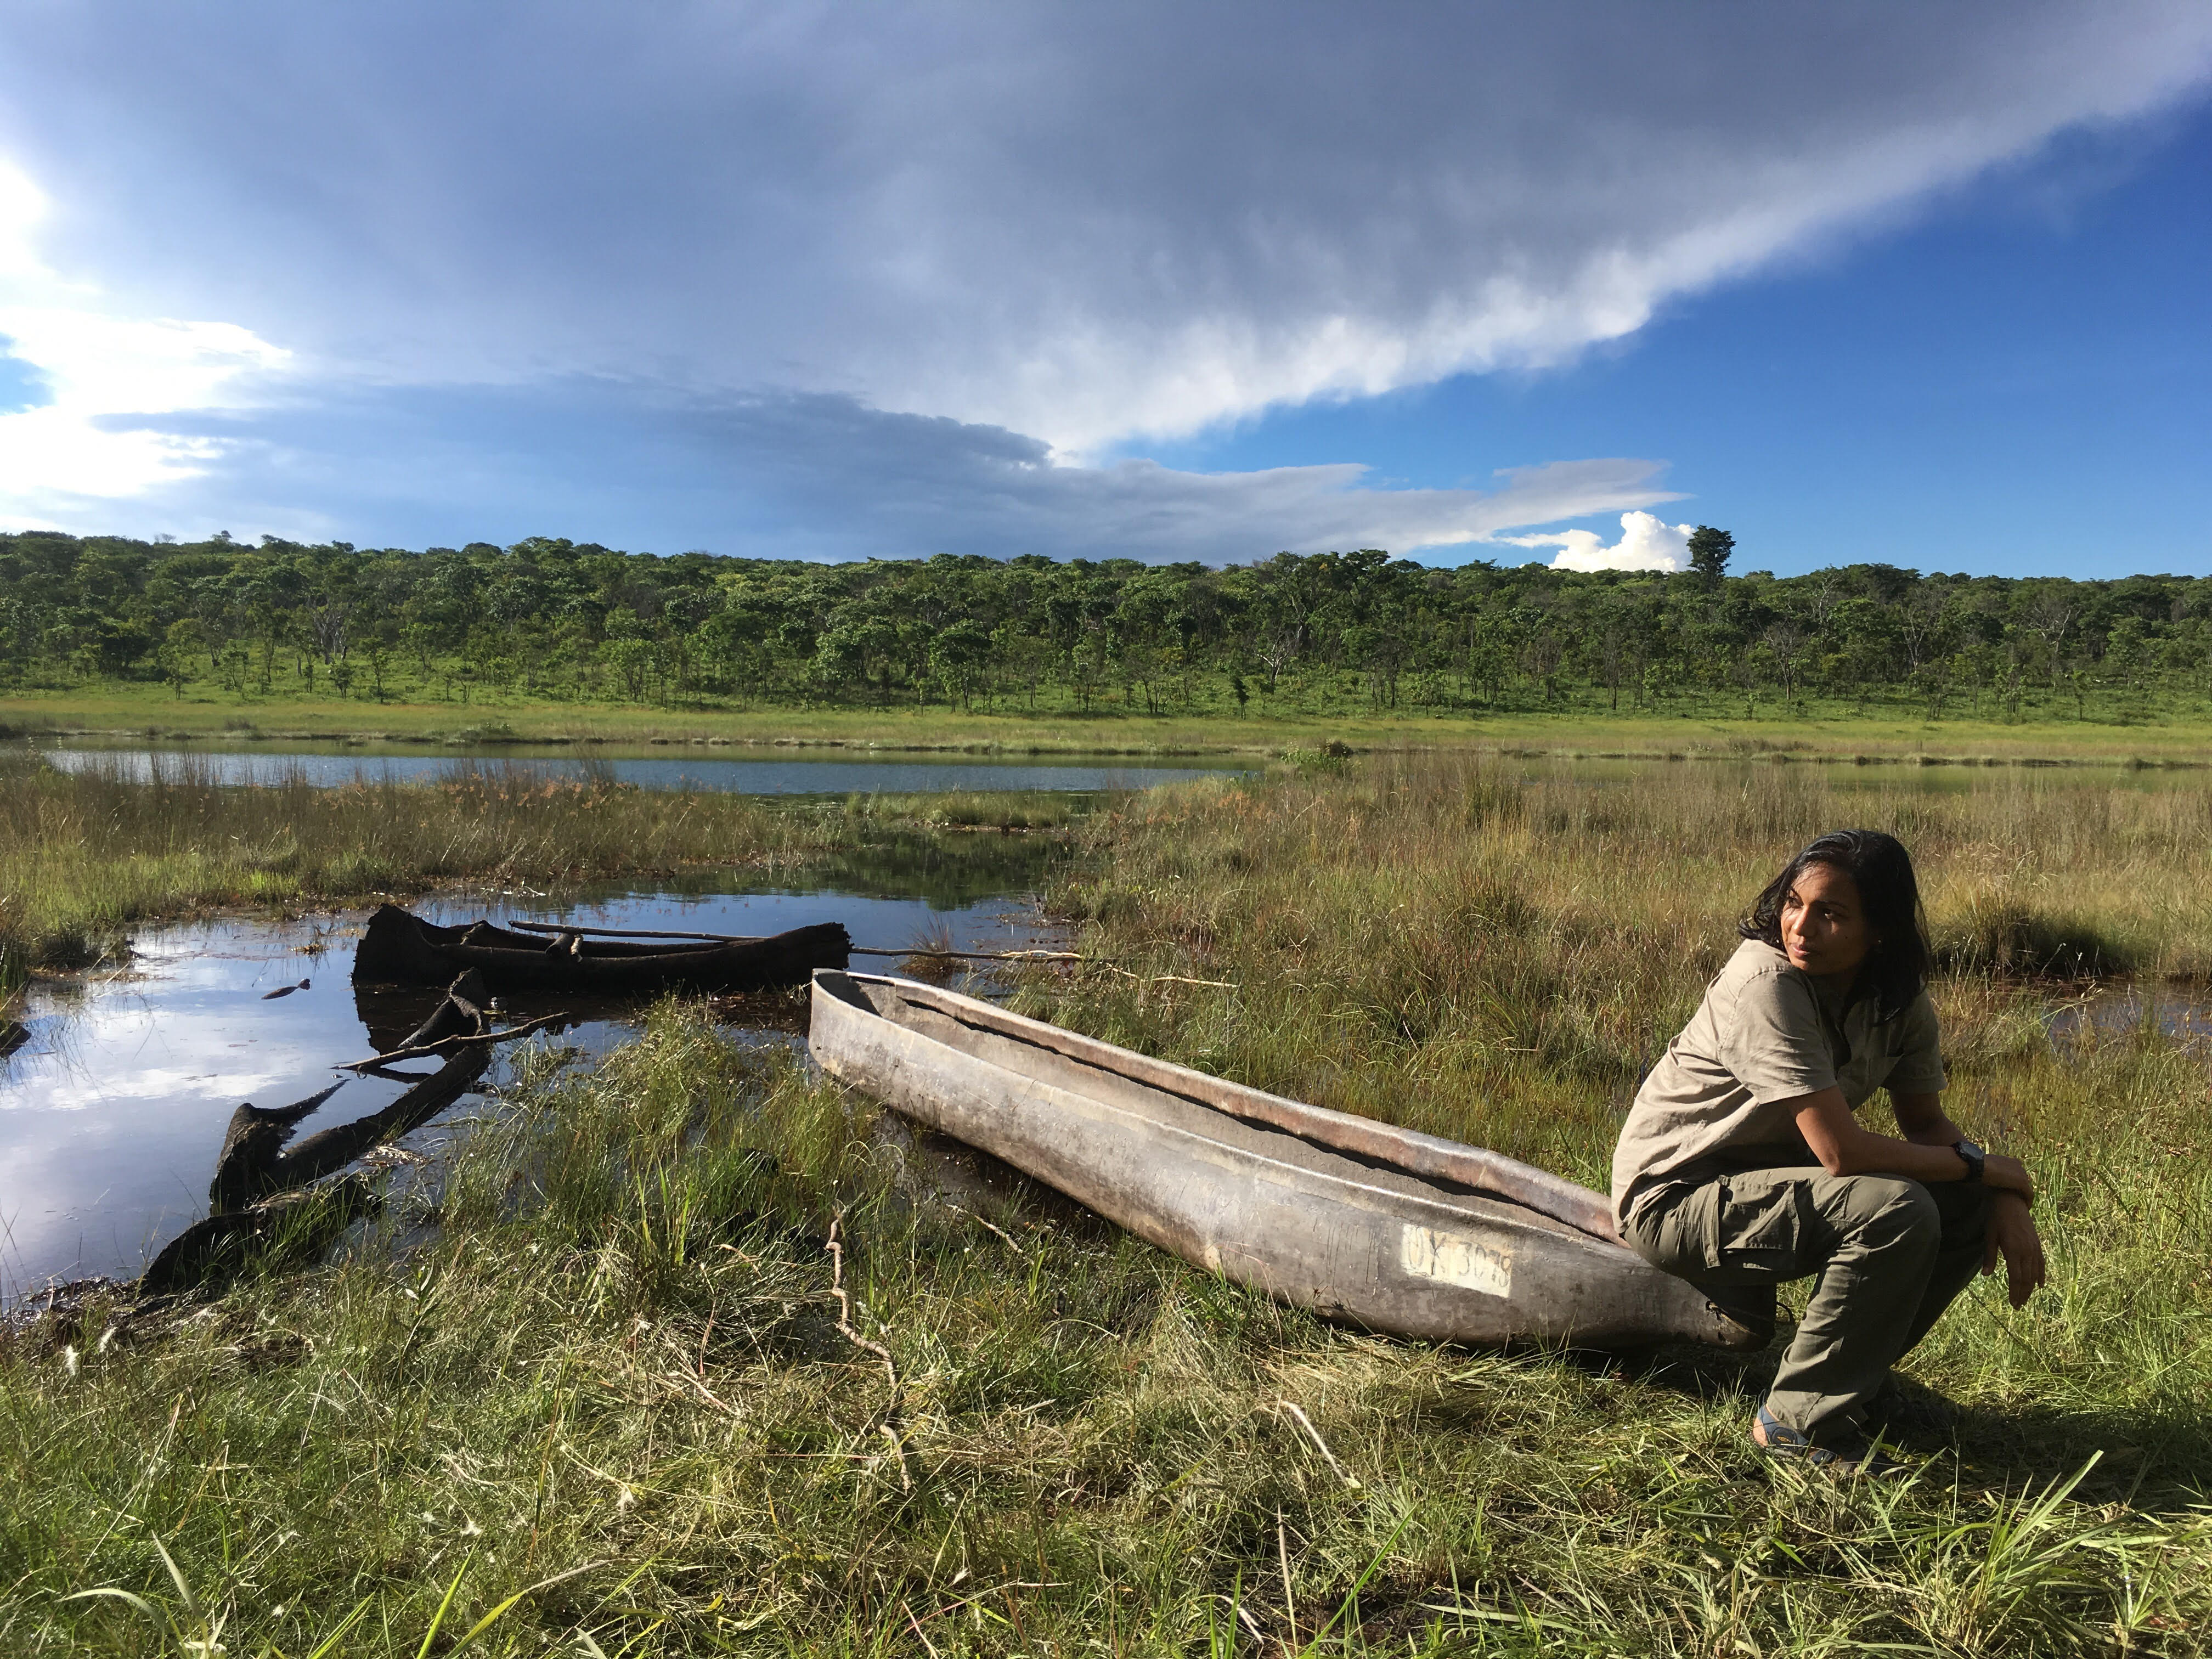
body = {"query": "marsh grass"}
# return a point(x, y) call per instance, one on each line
point(84, 853)
point(1895, 735)
point(1456, 944)
point(1008, 811)
point(611, 1383)
point(615, 1373)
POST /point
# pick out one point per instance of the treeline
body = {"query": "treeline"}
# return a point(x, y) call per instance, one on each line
point(552, 619)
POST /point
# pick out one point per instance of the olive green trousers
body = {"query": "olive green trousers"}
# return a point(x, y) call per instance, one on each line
point(1890, 1255)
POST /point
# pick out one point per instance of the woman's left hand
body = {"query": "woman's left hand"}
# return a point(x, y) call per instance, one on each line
point(2012, 1235)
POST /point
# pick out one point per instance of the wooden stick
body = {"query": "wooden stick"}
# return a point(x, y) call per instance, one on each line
point(444, 1043)
point(560, 927)
point(891, 1424)
point(970, 956)
point(630, 933)
point(1167, 979)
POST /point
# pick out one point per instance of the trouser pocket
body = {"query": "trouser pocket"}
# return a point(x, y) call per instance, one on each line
point(1758, 1226)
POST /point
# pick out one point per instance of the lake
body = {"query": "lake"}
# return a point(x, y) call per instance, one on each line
point(843, 772)
point(113, 1108)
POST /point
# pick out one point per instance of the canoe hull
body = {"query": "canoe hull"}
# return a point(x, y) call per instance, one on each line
point(400, 948)
point(1371, 1245)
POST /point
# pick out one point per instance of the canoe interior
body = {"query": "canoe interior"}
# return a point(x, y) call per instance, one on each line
point(918, 1010)
point(1355, 1237)
point(490, 936)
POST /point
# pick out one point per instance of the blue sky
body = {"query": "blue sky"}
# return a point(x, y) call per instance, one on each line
point(1895, 281)
point(2019, 381)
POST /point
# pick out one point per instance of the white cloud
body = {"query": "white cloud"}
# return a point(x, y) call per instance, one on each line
point(872, 481)
point(102, 375)
point(1090, 223)
point(821, 476)
point(1646, 543)
point(22, 204)
point(1095, 225)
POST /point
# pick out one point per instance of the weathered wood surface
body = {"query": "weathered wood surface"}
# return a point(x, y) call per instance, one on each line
point(1354, 1220)
point(269, 1189)
point(401, 948)
point(259, 1156)
point(220, 1247)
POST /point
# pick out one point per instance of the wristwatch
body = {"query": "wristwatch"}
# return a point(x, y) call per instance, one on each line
point(1972, 1156)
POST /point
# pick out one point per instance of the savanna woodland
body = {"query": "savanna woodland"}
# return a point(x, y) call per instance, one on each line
point(550, 619)
point(693, 1351)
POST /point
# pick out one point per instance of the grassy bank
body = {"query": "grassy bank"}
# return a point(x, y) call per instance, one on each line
point(121, 712)
point(86, 854)
point(612, 1382)
point(82, 855)
point(1496, 953)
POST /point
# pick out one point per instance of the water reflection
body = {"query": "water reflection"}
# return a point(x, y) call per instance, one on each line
point(331, 765)
point(113, 1106)
point(2181, 1013)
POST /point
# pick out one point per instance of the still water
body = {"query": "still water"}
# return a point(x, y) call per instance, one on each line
point(843, 773)
point(112, 1112)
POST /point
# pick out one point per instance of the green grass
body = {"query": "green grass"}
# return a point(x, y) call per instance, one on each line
point(85, 854)
point(611, 1382)
point(118, 709)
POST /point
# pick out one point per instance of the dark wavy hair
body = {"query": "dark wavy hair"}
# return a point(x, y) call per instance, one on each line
point(1889, 893)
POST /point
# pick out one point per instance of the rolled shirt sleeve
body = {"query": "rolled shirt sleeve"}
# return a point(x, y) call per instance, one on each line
point(1772, 1043)
point(1919, 1066)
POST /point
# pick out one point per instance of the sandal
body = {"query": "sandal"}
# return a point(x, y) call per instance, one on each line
point(1787, 1444)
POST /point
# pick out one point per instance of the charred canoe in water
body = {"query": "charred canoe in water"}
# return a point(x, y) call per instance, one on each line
point(1361, 1221)
point(400, 948)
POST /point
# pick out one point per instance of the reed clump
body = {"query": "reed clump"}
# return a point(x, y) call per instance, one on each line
point(1010, 811)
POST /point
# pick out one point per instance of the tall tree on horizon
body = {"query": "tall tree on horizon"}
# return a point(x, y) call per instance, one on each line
point(1709, 553)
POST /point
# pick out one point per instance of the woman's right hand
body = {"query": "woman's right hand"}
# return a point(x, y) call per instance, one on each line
point(2009, 1173)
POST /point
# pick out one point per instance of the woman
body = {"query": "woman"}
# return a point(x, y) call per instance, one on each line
point(1742, 1165)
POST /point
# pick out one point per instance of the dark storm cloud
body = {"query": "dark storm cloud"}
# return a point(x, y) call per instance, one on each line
point(1086, 223)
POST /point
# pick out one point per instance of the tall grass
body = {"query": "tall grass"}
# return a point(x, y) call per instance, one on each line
point(1455, 943)
point(612, 1381)
point(616, 1375)
point(84, 853)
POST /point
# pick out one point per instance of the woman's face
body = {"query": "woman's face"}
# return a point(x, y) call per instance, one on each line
point(1823, 929)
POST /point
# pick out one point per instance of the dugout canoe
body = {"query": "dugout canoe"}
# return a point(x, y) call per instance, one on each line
point(1362, 1222)
point(400, 948)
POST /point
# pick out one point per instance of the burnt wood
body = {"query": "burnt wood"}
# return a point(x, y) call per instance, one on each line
point(1360, 1221)
point(259, 1158)
point(401, 948)
point(219, 1247)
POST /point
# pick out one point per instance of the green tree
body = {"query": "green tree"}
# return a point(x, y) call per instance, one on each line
point(1710, 549)
point(178, 643)
point(959, 657)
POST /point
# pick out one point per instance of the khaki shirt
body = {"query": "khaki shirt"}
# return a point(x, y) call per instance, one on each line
point(1765, 1033)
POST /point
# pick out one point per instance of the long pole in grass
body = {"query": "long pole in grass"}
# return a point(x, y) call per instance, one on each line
point(749, 938)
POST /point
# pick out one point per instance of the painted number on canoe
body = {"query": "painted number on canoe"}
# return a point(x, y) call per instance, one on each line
point(1456, 1258)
